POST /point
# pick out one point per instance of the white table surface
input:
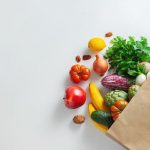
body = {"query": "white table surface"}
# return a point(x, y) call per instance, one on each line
point(38, 42)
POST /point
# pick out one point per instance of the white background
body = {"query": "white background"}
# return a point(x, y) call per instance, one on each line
point(38, 42)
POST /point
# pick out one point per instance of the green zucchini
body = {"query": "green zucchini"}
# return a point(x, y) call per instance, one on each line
point(102, 117)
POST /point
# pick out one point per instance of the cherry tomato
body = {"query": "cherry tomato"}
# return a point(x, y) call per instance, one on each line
point(79, 72)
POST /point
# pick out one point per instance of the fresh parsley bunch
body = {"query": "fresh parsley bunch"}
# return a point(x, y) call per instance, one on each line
point(125, 56)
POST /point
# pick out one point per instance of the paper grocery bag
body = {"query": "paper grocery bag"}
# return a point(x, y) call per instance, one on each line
point(132, 128)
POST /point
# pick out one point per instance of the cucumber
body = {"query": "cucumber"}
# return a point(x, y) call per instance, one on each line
point(102, 117)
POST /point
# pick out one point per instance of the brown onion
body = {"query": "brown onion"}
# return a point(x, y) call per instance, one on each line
point(100, 65)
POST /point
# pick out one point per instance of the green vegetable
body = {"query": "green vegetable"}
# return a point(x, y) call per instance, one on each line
point(132, 91)
point(112, 96)
point(102, 117)
point(125, 55)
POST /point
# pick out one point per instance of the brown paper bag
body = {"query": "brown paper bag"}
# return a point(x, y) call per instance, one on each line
point(132, 128)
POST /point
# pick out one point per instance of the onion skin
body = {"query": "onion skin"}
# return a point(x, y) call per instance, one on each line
point(100, 65)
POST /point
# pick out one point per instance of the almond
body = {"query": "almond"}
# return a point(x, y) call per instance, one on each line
point(86, 57)
point(108, 34)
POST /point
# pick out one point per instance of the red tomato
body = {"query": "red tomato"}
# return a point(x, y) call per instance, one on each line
point(79, 72)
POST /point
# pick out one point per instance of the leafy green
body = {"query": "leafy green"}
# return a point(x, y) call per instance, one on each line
point(124, 56)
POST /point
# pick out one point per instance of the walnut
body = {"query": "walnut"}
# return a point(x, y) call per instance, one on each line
point(78, 119)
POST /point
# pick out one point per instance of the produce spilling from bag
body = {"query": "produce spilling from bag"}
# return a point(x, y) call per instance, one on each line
point(127, 63)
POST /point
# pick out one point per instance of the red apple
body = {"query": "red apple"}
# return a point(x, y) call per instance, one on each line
point(75, 97)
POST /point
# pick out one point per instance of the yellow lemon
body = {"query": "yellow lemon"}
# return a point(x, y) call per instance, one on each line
point(96, 44)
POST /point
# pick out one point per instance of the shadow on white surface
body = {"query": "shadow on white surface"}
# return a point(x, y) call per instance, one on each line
point(74, 127)
point(95, 139)
point(67, 81)
point(62, 114)
point(94, 77)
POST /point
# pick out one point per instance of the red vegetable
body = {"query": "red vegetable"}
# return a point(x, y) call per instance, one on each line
point(79, 72)
point(75, 97)
point(115, 82)
point(100, 65)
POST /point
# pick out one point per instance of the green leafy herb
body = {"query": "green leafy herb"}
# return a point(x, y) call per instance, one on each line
point(125, 55)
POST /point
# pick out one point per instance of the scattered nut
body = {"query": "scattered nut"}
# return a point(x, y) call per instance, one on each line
point(78, 119)
point(78, 58)
point(109, 34)
point(86, 57)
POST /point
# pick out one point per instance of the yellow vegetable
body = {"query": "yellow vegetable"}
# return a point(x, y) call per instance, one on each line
point(96, 44)
point(98, 125)
point(96, 97)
